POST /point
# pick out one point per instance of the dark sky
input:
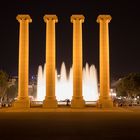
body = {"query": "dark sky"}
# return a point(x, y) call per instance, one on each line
point(124, 33)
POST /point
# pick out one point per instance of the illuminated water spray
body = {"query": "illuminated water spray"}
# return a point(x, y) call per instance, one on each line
point(64, 84)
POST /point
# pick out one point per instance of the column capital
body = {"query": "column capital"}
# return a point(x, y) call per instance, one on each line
point(105, 18)
point(22, 17)
point(50, 17)
point(77, 17)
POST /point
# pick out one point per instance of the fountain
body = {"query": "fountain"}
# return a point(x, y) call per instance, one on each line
point(64, 83)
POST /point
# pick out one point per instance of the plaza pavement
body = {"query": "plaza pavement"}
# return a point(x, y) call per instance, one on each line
point(70, 124)
point(69, 109)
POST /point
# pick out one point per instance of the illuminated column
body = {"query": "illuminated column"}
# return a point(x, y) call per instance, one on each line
point(104, 99)
point(50, 99)
point(23, 70)
point(77, 99)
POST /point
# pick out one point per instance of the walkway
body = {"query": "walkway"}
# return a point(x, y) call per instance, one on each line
point(68, 109)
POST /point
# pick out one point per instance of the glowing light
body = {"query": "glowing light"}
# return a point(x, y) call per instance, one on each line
point(64, 84)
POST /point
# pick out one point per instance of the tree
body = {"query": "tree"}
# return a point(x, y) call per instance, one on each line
point(129, 85)
point(3, 83)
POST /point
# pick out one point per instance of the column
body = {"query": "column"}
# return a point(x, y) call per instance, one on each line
point(23, 67)
point(50, 99)
point(77, 99)
point(105, 98)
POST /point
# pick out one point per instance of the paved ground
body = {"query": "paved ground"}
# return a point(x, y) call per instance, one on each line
point(98, 124)
point(69, 109)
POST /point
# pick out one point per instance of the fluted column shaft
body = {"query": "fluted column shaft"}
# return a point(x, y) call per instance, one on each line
point(105, 99)
point(23, 59)
point(77, 100)
point(23, 67)
point(50, 99)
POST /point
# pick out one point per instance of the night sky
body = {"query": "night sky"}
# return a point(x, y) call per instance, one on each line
point(124, 33)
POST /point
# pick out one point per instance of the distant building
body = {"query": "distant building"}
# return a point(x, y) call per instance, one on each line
point(32, 87)
point(32, 90)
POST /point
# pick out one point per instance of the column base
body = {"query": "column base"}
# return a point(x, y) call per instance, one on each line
point(50, 103)
point(105, 103)
point(22, 103)
point(77, 103)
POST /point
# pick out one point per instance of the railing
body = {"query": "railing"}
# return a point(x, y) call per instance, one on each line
point(60, 103)
point(36, 103)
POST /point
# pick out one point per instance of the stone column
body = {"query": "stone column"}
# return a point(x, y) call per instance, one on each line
point(105, 98)
point(23, 68)
point(50, 99)
point(77, 99)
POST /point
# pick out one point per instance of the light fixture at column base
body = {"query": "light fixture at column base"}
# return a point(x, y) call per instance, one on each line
point(50, 103)
point(105, 103)
point(22, 103)
point(77, 103)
